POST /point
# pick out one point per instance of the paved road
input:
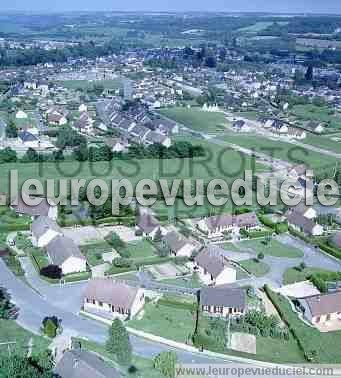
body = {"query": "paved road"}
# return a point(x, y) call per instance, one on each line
point(34, 307)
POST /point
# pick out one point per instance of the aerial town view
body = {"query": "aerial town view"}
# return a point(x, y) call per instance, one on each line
point(170, 189)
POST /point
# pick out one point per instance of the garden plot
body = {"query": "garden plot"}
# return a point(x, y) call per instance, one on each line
point(243, 342)
point(167, 271)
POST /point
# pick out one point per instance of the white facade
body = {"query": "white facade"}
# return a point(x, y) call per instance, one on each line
point(45, 239)
point(227, 276)
point(73, 265)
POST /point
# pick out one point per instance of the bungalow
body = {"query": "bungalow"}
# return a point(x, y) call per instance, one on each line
point(156, 138)
point(302, 224)
point(219, 301)
point(314, 127)
point(306, 211)
point(213, 267)
point(84, 123)
point(279, 126)
point(56, 117)
point(44, 230)
point(140, 132)
point(117, 144)
point(296, 133)
point(63, 252)
point(149, 225)
point(112, 299)
point(319, 309)
point(240, 126)
point(43, 209)
point(216, 225)
point(28, 139)
point(178, 245)
point(165, 126)
point(82, 108)
point(83, 364)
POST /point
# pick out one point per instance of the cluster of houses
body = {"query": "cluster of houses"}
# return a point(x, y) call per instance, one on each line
point(217, 226)
point(60, 250)
point(135, 124)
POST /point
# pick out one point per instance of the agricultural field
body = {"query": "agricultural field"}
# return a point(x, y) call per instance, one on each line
point(323, 114)
point(197, 119)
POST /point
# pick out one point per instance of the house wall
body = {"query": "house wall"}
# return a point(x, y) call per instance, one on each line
point(228, 275)
point(222, 311)
point(53, 212)
point(45, 239)
point(324, 318)
point(186, 250)
point(73, 265)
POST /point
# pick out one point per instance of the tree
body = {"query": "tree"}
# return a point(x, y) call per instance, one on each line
point(50, 327)
point(118, 343)
point(165, 363)
point(7, 309)
point(260, 256)
point(31, 155)
point(158, 236)
point(11, 130)
point(309, 75)
point(116, 241)
point(23, 367)
point(210, 62)
point(51, 271)
point(302, 266)
point(7, 155)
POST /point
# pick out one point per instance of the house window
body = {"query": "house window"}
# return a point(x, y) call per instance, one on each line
point(93, 302)
point(100, 304)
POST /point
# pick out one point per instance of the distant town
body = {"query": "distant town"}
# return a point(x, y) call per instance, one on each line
point(85, 292)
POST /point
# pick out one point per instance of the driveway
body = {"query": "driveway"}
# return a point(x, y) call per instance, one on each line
point(34, 308)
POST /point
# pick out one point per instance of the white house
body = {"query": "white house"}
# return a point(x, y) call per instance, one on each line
point(178, 245)
point(303, 220)
point(63, 252)
point(21, 115)
point(223, 302)
point(213, 267)
point(82, 108)
point(44, 230)
point(110, 299)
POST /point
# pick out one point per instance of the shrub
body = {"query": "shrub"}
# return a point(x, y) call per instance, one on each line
point(51, 271)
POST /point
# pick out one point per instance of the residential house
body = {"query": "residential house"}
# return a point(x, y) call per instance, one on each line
point(82, 108)
point(28, 139)
point(44, 208)
point(84, 123)
point(241, 126)
point(215, 226)
point(296, 133)
point(156, 138)
point(297, 171)
point(111, 299)
point(213, 267)
point(140, 132)
point(314, 127)
point(56, 116)
point(302, 224)
point(320, 309)
point(21, 115)
point(44, 230)
point(165, 126)
point(83, 364)
point(149, 225)
point(117, 144)
point(63, 252)
point(225, 302)
point(178, 245)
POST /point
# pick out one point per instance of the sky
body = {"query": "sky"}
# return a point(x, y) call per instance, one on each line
point(283, 6)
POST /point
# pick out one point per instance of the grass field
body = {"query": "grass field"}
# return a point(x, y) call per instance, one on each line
point(10, 331)
point(257, 268)
point(197, 119)
point(170, 322)
point(273, 248)
point(93, 252)
point(317, 113)
point(322, 141)
point(281, 150)
point(190, 282)
point(293, 275)
point(140, 250)
point(85, 84)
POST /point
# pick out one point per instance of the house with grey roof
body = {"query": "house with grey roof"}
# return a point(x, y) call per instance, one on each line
point(213, 267)
point(157, 138)
point(302, 219)
point(112, 299)
point(336, 240)
point(148, 225)
point(314, 127)
point(321, 309)
point(45, 208)
point(220, 301)
point(44, 230)
point(63, 252)
point(178, 245)
point(83, 364)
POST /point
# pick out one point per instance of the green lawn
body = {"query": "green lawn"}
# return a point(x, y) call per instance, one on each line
point(197, 119)
point(11, 331)
point(257, 268)
point(10, 220)
point(145, 366)
point(281, 150)
point(192, 282)
point(317, 113)
point(322, 345)
point(323, 141)
point(170, 322)
point(140, 250)
point(293, 275)
point(85, 84)
point(93, 252)
point(273, 248)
